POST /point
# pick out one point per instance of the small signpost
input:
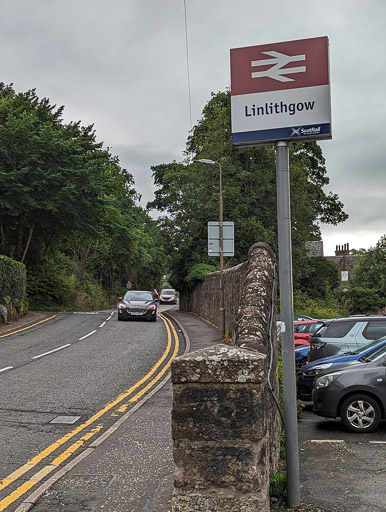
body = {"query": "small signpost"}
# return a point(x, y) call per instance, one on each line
point(214, 239)
point(280, 93)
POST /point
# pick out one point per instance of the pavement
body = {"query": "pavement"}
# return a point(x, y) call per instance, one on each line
point(132, 469)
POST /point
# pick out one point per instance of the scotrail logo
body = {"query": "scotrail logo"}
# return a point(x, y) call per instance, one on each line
point(276, 71)
point(301, 132)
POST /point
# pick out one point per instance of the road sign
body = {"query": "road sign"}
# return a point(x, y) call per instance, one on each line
point(281, 91)
point(214, 239)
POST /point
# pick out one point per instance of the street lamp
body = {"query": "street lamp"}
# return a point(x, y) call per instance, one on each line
point(222, 309)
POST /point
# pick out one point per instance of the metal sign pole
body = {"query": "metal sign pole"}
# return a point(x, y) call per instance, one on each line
point(222, 308)
point(287, 316)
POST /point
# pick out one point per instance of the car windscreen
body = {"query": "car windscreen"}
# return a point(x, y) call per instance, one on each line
point(368, 346)
point(380, 352)
point(168, 292)
point(143, 296)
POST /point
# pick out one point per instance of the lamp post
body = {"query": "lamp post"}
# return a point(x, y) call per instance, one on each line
point(222, 309)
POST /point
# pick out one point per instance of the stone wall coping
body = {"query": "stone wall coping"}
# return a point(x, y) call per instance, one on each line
point(220, 364)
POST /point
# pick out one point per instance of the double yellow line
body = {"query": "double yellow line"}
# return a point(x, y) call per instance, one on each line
point(153, 376)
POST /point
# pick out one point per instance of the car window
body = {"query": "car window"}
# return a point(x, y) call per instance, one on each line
point(314, 327)
point(301, 328)
point(375, 329)
point(339, 329)
point(138, 296)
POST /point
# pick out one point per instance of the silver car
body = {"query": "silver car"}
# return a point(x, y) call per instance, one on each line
point(344, 335)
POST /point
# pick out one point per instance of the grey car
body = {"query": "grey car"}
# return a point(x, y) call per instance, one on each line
point(354, 391)
point(344, 335)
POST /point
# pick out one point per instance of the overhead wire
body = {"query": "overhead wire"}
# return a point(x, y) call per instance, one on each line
point(187, 64)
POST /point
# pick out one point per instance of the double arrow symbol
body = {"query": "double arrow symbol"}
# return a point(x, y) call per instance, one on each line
point(276, 72)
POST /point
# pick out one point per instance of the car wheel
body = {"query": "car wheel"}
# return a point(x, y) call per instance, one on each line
point(361, 413)
point(153, 319)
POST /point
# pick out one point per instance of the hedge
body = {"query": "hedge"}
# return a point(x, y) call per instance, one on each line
point(13, 280)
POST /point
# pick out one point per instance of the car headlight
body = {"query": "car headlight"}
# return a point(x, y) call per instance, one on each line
point(152, 306)
point(313, 372)
point(121, 305)
point(325, 380)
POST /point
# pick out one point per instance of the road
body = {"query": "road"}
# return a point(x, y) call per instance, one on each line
point(64, 382)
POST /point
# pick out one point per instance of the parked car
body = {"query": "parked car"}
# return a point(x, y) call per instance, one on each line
point(168, 296)
point(354, 391)
point(301, 356)
point(304, 330)
point(297, 318)
point(307, 374)
point(137, 304)
point(344, 335)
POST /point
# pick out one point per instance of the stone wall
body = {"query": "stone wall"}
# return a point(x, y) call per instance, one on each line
point(204, 300)
point(225, 423)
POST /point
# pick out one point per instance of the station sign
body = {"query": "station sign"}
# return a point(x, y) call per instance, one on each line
point(281, 91)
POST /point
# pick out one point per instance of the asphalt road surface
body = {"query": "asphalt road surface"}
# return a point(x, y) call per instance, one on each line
point(65, 381)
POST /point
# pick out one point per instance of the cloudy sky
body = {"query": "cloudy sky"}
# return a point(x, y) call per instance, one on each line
point(122, 65)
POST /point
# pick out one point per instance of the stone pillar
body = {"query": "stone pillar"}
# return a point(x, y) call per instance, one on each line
point(221, 431)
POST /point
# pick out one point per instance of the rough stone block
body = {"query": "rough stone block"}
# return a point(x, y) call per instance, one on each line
point(215, 465)
point(216, 412)
point(220, 363)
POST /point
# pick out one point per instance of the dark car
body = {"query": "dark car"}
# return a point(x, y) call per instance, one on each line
point(344, 335)
point(354, 391)
point(307, 374)
point(137, 304)
point(168, 296)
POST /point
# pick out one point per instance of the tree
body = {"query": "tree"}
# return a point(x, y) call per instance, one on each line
point(188, 194)
point(371, 269)
point(319, 276)
point(67, 207)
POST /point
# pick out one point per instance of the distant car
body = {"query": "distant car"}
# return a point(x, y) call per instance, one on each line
point(297, 318)
point(137, 304)
point(354, 391)
point(307, 374)
point(344, 335)
point(304, 330)
point(168, 296)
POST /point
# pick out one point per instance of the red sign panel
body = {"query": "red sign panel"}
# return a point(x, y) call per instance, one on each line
point(279, 66)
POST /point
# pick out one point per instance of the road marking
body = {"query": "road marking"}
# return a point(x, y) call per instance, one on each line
point(377, 442)
point(110, 317)
point(87, 335)
point(29, 327)
point(6, 368)
point(102, 324)
point(52, 351)
point(67, 453)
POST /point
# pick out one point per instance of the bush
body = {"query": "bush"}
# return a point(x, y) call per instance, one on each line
point(362, 300)
point(329, 307)
point(13, 280)
point(199, 271)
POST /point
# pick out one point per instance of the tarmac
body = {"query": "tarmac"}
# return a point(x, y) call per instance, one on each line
point(131, 470)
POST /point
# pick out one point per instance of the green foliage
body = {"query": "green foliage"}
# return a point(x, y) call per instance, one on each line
point(327, 307)
point(199, 271)
point(278, 484)
point(12, 280)
point(371, 269)
point(189, 194)
point(319, 275)
point(66, 199)
point(362, 300)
